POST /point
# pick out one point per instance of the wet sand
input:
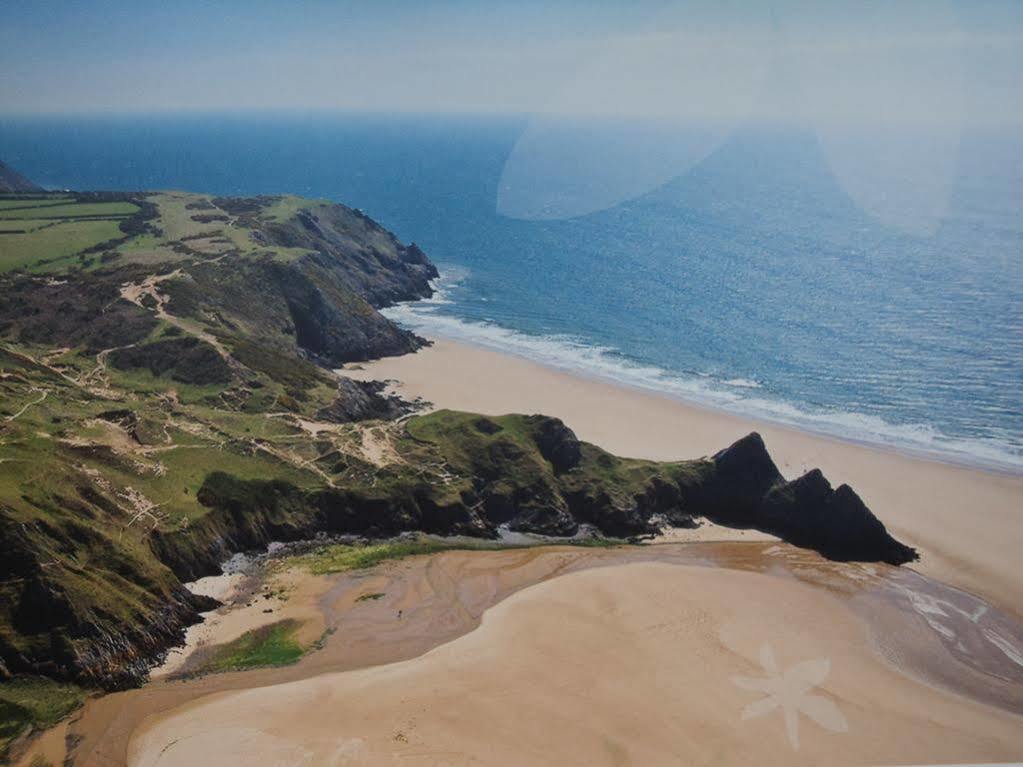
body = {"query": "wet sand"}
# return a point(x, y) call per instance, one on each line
point(645, 651)
point(966, 522)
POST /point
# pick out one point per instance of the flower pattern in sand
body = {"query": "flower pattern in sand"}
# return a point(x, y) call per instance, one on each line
point(789, 690)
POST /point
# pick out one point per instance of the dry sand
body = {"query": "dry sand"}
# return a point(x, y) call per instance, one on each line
point(967, 523)
point(642, 664)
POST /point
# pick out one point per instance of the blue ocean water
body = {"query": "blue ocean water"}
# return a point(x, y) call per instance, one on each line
point(753, 282)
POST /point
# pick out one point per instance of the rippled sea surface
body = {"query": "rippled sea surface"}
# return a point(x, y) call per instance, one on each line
point(752, 282)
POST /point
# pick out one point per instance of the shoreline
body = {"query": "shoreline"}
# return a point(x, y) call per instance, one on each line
point(524, 632)
point(963, 520)
point(951, 457)
point(759, 422)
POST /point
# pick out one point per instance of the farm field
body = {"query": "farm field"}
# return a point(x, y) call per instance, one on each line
point(40, 233)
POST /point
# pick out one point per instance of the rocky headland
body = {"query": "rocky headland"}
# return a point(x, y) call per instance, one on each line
point(169, 398)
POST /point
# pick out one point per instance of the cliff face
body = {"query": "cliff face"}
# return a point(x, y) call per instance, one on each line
point(303, 306)
point(340, 267)
point(12, 181)
point(369, 259)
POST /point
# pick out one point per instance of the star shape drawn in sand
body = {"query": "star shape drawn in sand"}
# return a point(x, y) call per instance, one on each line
point(789, 690)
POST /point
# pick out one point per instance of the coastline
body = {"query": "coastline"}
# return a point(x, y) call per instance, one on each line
point(964, 520)
point(591, 363)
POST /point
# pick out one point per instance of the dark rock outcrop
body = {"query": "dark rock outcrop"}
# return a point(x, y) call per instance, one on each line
point(332, 321)
point(370, 259)
point(808, 512)
point(64, 634)
point(747, 490)
point(557, 443)
point(363, 400)
point(743, 474)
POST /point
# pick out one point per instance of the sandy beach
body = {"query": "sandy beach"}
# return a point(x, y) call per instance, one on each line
point(495, 657)
point(644, 663)
point(965, 522)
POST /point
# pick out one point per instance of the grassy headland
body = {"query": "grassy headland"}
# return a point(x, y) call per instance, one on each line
point(167, 399)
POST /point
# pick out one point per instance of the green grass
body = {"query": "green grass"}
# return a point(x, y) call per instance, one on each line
point(341, 557)
point(142, 242)
point(72, 210)
point(287, 206)
point(6, 203)
point(30, 702)
point(54, 243)
point(176, 218)
point(272, 645)
point(23, 224)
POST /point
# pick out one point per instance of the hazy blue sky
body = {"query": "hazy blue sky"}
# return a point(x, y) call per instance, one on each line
point(897, 59)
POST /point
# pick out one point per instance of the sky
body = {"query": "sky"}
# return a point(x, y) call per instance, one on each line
point(821, 61)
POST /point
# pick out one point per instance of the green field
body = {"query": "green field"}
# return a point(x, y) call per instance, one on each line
point(43, 234)
point(72, 210)
point(24, 224)
point(44, 246)
point(8, 203)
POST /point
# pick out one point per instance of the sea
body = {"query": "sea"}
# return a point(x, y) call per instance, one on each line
point(750, 276)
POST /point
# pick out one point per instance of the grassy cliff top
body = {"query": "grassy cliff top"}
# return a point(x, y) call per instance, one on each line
point(63, 231)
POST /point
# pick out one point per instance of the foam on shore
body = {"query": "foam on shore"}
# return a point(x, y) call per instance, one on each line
point(738, 395)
